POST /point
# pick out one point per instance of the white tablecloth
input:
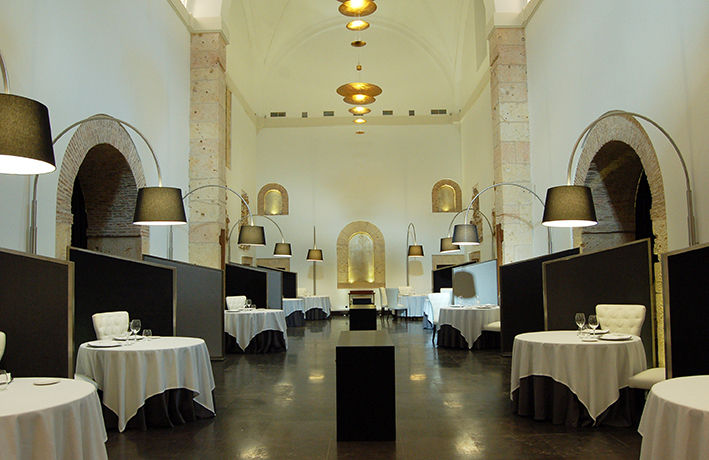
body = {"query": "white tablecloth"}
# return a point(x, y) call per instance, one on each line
point(675, 422)
point(244, 325)
point(318, 301)
point(593, 371)
point(468, 320)
point(291, 305)
point(414, 304)
point(130, 374)
point(52, 422)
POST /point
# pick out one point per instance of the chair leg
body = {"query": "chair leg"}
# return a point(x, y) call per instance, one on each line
point(433, 337)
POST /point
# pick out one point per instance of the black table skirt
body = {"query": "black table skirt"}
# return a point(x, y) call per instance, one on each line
point(295, 319)
point(165, 410)
point(315, 314)
point(543, 398)
point(450, 337)
point(265, 342)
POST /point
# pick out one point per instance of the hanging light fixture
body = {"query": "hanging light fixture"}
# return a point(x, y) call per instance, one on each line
point(314, 254)
point(359, 110)
point(447, 245)
point(359, 93)
point(360, 120)
point(356, 8)
point(358, 43)
point(357, 25)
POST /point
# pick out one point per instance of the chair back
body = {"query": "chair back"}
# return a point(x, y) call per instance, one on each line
point(406, 290)
point(110, 324)
point(622, 318)
point(438, 300)
point(449, 292)
point(392, 297)
point(2, 343)
point(383, 297)
point(235, 302)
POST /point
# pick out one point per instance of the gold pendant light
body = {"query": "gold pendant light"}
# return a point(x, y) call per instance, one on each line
point(357, 25)
point(359, 110)
point(356, 8)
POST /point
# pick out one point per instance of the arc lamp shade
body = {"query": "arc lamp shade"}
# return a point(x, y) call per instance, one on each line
point(159, 206)
point(282, 250)
point(448, 246)
point(569, 206)
point(415, 250)
point(25, 136)
point(465, 235)
point(314, 255)
point(252, 235)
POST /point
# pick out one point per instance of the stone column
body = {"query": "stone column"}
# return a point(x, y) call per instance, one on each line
point(207, 208)
point(510, 126)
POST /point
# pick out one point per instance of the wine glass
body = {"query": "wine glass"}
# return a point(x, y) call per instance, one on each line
point(580, 319)
point(4, 379)
point(147, 333)
point(248, 303)
point(593, 323)
point(135, 328)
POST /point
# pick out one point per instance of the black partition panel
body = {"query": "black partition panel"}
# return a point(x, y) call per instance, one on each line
point(109, 283)
point(622, 274)
point(522, 296)
point(290, 285)
point(36, 315)
point(442, 278)
point(246, 280)
point(686, 293)
point(200, 303)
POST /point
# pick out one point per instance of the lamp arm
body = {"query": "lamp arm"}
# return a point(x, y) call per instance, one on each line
point(223, 187)
point(450, 226)
point(410, 227)
point(236, 224)
point(5, 78)
point(610, 113)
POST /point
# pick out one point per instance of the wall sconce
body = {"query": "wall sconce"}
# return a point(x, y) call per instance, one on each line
point(467, 234)
point(281, 249)
point(447, 245)
point(414, 250)
point(252, 235)
point(26, 136)
point(572, 205)
point(154, 205)
point(314, 256)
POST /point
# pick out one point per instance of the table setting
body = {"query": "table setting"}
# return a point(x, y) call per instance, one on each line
point(255, 330)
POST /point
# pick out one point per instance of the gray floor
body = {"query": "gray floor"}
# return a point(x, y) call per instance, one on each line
point(450, 404)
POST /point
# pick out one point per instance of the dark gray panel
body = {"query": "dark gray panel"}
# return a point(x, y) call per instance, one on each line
point(36, 314)
point(200, 303)
point(618, 275)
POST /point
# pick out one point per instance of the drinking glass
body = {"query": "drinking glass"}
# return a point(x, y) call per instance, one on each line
point(248, 303)
point(593, 324)
point(4, 379)
point(580, 319)
point(148, 334)
point(135, 328)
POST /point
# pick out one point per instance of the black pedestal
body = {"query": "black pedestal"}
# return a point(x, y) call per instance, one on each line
point(366, 406)
point(363, 318)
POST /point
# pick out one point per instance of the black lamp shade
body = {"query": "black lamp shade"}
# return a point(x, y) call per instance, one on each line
point(252, 235)
point(25, 136)
point(159, 206)
point(448, 246)
point(282, 250)
point(314, 255)
point(465, 235)
point(569, 206)
point(415, 250)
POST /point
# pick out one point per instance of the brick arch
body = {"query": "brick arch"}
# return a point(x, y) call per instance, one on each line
point(626, 129)
point(261, 199)
point(435, 200)
point(88, 135)
point(343, 241)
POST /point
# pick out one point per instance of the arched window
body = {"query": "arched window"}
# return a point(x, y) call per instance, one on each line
point(360, 257)
point(273, 200)
point(446, 196)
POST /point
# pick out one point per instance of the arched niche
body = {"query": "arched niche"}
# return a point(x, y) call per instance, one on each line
point(361, 259)
point(446, 196)
point(273, 200)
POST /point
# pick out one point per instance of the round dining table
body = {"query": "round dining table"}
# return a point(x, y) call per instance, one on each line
point(557, 375)
point(130, 373)
point(675, 422)
point(466, 320)
point(51, 419)
point(294, 310)
point(317, 307)
point(247, 325)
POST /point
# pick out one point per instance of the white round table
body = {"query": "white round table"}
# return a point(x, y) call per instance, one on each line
point(52, 422)
point(675, 422)
point(469, 320)
point(130, 374)
point(321, 302)
point(414, 304)
point(593, 371)
point(246, 324)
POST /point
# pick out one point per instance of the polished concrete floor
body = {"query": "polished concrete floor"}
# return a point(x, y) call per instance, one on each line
point(450, 404)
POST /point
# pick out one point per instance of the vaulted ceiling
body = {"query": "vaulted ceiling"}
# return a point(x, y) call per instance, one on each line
point(290, 55)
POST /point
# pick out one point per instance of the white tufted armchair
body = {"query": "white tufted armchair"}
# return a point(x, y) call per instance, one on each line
point(438, 300)
point(623, 318)
point(110, 324)
point(235, 302)
point(2, 343)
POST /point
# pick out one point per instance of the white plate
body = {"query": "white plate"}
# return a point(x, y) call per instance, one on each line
point(589, 339)
point(615, 336)
point(42, 382)
point(124, 338)
point(602, 331)
point(104, 344)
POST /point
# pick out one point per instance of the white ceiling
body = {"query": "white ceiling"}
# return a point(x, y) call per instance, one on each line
point(290, 55)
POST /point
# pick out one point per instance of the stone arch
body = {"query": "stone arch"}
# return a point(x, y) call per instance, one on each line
point(437, 204)
point(343, 246)
point(626, 129)
point(87, 136)
point(261, 200)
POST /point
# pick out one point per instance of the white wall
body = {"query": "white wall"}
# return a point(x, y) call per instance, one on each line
point(334, 177)
point(585, 58)
point(129, 59)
